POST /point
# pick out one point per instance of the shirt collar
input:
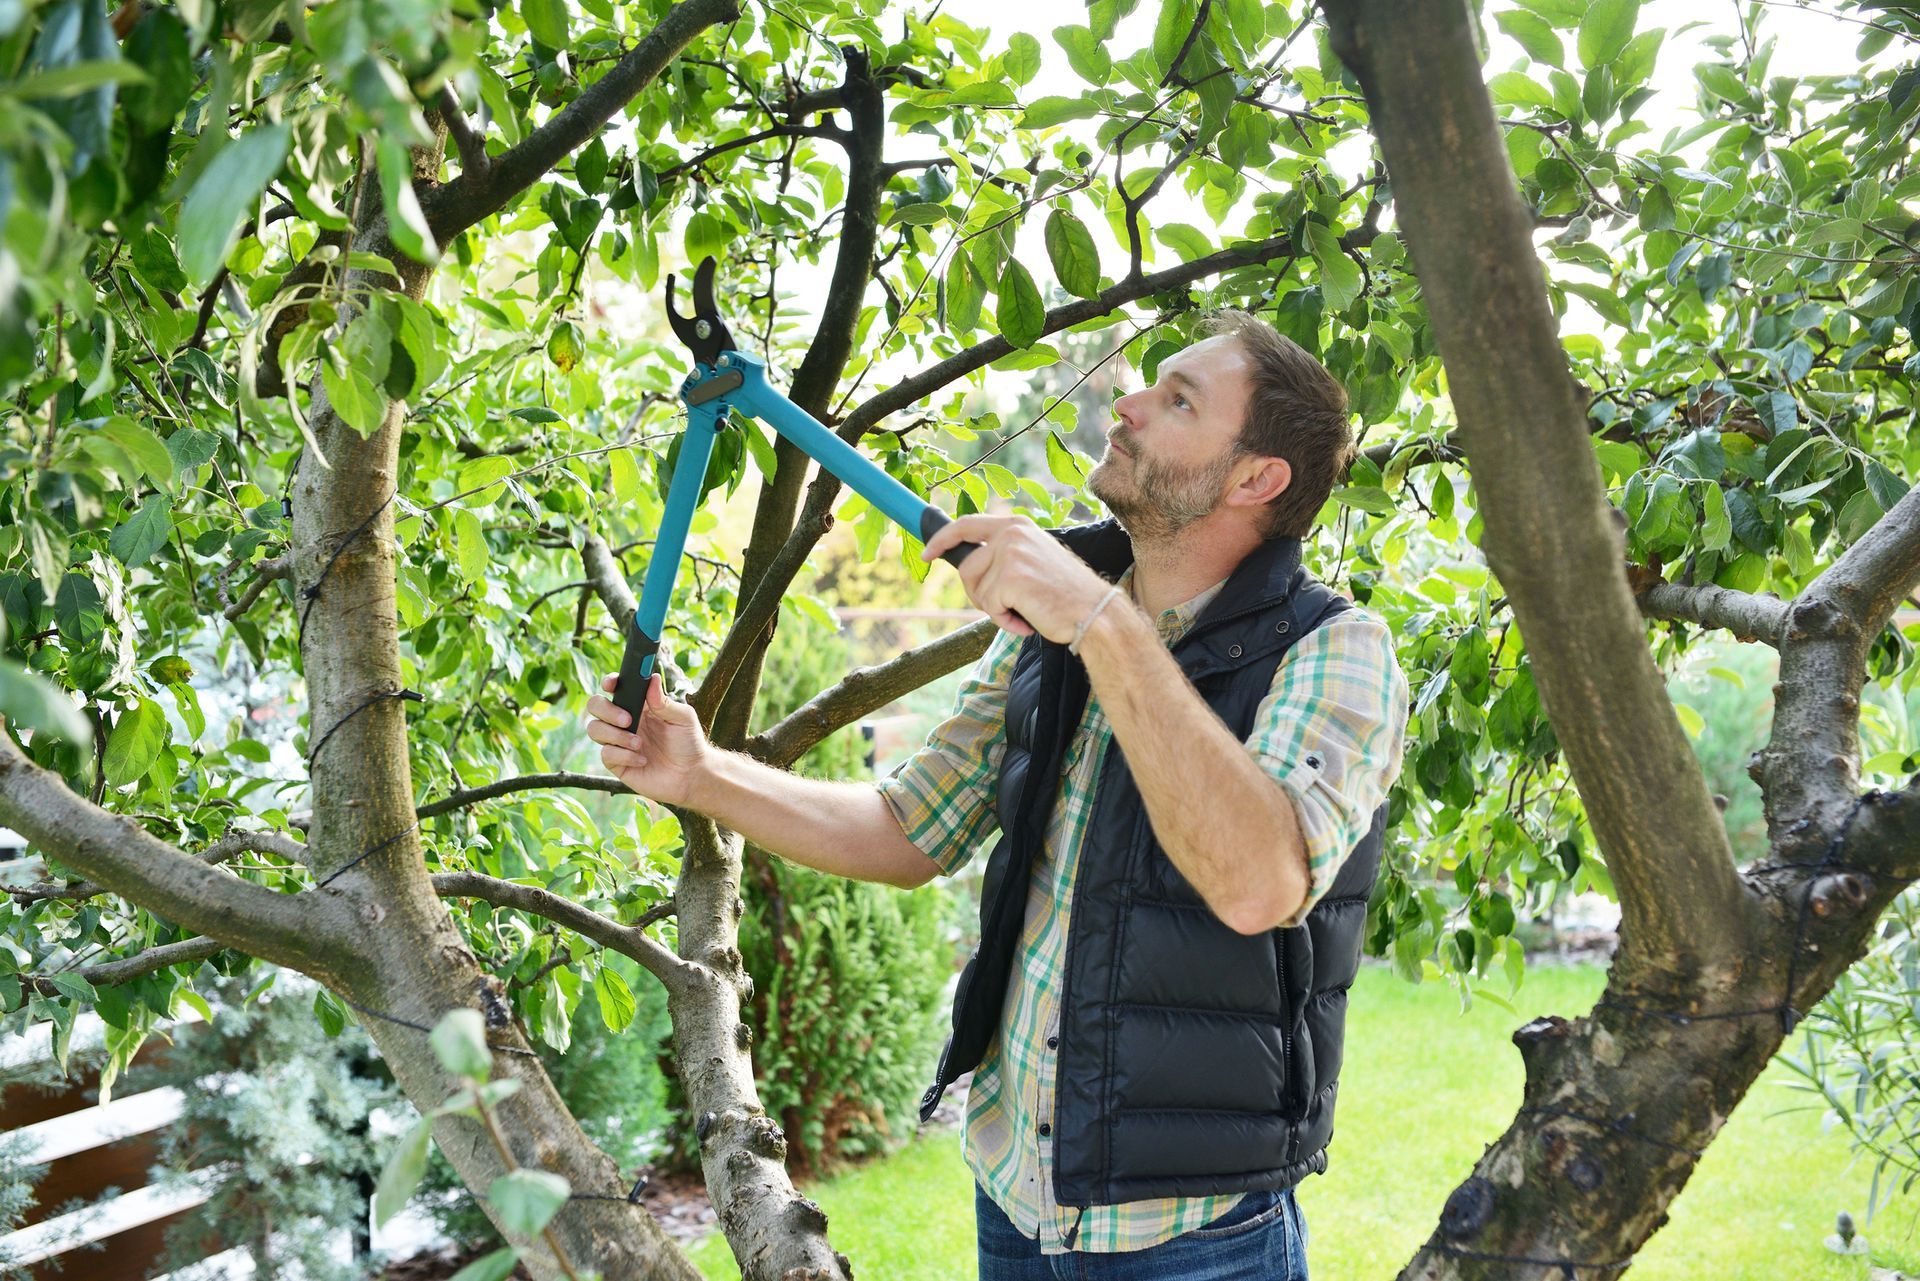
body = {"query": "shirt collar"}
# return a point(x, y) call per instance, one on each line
point(1173, 621)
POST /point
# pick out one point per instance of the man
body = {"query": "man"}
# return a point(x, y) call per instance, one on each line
point(1186, 742)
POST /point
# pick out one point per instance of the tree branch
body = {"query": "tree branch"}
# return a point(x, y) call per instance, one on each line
point(307, 932)
point(1746, 616)
point(777, 131)
point(1810, 769)
point(127, 968)
point(1549, 534)
point(267, 571)
point(726, 706)
point(471, 146)
point(452, 208)
point(628, 940)
point(524, 783)
point(228, 847)
point(911, 390)
point(867, 688)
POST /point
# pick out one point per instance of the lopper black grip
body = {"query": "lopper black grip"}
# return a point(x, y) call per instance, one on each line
point(932, 520)
point(630, 694)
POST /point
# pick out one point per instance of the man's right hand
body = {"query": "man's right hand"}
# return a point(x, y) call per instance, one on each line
point(665, 759)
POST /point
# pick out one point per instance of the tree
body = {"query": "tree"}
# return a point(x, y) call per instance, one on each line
point(373, 448)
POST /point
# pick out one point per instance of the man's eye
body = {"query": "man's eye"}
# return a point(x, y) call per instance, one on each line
point(1180, 401)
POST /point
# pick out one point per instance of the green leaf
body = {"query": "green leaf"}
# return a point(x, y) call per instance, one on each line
point(1066, 468)
point(147, 450)
point(78, 611)
point(331, 1013)
point(1170, 33)
point(1023, 317)
point(481, 473)
point(1519, 89)
point(135, 740)
point(1076, 263)
point(1186, 240)
point(1534, 34)
point(77, 78)
point(470, 545)
point(527, 1200)
point(354, 397)
point(1605, 30)
point(1053, 110)
point(1716, 527)
point(135, 539)
point(615, 998)
point(1085, 54)
point(1247, 19)
point(1023, 57)
point(1366, 498)
point(210, 217)
point(918, 214)
point(402, 1172)
point(547, 21)
point(72, 986)
point(190, 448)
point(459, 1041)
point(497, 1266)
point(966, 291)
point(405, 221)
point(34, 704)
point(1340, 277)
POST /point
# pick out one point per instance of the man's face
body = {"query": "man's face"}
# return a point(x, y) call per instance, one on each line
point(1170, 452)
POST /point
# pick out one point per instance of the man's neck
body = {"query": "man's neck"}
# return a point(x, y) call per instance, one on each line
point(1167, 572)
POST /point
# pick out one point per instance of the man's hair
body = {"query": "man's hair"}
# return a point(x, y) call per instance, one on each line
point(1297, 411)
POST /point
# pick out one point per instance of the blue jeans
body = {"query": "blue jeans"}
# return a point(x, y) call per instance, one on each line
point(1263, 1238)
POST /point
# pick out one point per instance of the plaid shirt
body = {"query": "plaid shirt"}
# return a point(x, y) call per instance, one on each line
point(1330, 732)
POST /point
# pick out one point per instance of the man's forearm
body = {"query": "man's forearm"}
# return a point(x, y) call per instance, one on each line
point(847, 829)
point(1226, 824)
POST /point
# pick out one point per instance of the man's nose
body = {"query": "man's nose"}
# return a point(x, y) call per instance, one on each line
point(1124, 407)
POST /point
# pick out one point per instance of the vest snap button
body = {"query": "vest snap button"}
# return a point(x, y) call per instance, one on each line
point(1233, 651)
point(1283, 627)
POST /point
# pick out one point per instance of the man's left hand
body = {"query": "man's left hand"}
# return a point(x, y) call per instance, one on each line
point(1024, 578)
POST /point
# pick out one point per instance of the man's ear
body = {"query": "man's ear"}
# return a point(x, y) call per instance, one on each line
point(1264, 479)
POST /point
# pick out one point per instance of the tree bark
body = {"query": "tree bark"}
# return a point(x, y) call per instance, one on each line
point(1712, 966)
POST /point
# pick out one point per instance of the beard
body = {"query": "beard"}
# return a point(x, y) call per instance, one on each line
point(1153, 500)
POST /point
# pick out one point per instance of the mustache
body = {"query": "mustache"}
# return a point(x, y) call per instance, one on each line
point(1122, 438)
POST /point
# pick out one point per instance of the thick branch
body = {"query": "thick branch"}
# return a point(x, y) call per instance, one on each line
point(1810, 770)
point(1746, 616)
point(453, 208)
point(725, 706)
point(227, 847)
point(307, 932)
point(628, 940)
point(1548, 532)
point(127, 968)
point(524, 783)
point(866, 689)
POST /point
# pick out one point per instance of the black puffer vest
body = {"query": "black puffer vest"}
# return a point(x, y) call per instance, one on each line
point(1193, 1059)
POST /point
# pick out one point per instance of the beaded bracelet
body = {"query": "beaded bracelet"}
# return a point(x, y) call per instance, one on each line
point(1080, 632)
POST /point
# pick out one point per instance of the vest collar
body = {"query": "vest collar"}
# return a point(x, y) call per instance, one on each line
point(1263, 577)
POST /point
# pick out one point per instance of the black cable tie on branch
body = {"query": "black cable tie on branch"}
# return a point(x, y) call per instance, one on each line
point(405, 695)
point(364, 855)
point(312, 594)
point(421, 1027)
point(1616, 1127)
point(1569, 1268)
point(631, 1198)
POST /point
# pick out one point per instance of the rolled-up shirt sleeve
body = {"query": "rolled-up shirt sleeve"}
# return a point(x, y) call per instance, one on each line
point(943, 795)
point(1331, 731)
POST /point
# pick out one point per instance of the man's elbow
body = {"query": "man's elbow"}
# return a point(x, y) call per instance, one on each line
point(1251, 914)
point(910, 871)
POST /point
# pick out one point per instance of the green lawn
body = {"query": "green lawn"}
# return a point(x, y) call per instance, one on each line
point(1424, 1089)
